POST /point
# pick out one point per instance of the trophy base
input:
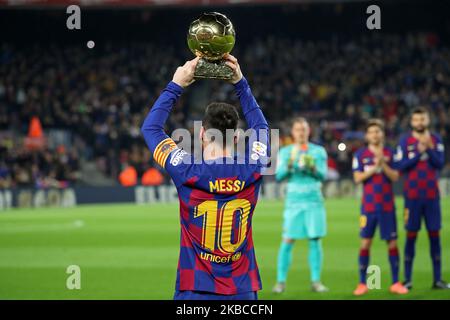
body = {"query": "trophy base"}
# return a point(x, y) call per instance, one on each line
point(213, 70)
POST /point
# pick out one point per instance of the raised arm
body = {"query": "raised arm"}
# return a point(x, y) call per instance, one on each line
point(164, 150)
point(153, 126)
point(252, 112)
point(259, 139)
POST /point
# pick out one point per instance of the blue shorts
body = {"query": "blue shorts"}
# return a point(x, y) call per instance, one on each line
point(203, 295)
point(388, 225)
point(429, 209)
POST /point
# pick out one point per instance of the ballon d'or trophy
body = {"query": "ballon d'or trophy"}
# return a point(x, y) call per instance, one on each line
point(210, 37)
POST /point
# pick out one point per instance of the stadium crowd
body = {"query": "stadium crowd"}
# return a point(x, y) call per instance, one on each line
point(101, 96)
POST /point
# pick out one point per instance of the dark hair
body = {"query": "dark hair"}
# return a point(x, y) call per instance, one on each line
point(220, 116)
point(375, 123)
point(420, 110)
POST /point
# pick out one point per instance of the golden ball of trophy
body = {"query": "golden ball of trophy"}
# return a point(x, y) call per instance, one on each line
point(210, 37)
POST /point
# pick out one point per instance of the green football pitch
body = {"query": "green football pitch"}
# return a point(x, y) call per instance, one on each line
point(131, 251)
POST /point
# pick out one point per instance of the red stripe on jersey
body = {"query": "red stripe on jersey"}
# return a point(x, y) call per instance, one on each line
point(187, 279)
point(185, 240)
point(184, 210)
point(225, 285)
point(254, 278)
point(195, 233)
point(248, 193)
point(241, 266)
point(191, 181)
point(198, 196)
point(249, 240)
point(203, 265)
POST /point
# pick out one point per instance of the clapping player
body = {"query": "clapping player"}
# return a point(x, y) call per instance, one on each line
point(373, 167)
point(420, 156)
point(304, 165)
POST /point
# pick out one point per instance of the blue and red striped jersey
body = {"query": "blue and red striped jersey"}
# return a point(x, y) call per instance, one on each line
point(420, 170)
point(217, 200)
point(377, 190)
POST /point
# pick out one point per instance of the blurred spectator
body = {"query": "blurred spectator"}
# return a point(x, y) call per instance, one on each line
point(152, 177)
point(102, 98)
point(5, 176)
point(128, 177)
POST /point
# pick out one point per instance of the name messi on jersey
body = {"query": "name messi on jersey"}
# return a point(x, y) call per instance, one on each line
point(226, 185)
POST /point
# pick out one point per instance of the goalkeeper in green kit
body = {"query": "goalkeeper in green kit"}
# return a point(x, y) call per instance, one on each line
point(304, 165)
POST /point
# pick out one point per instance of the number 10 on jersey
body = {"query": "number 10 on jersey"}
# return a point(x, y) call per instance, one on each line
point(219, 222)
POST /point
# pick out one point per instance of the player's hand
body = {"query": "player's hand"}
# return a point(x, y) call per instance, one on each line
point(232, 62)
point(426, 141)
point(422, 147)
point(184, 75)
point(290, 165)
point(309, 162)
point(294, 154)
point(377, 162)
